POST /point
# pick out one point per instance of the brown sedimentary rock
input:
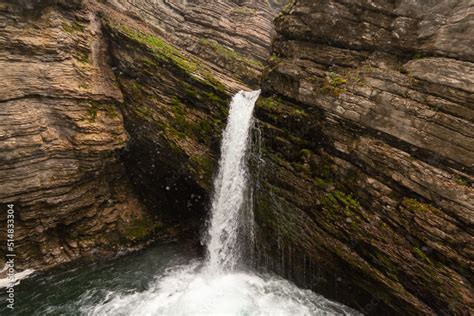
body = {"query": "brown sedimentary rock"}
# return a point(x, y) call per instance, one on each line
point(375, 189)
point(60, 135)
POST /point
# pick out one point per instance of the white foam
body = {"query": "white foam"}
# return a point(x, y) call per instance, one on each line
point(6, 282)
point(189, 290)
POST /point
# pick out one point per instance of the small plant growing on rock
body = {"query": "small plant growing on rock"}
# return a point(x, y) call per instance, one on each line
point(73, 27)
point(462, 181)
point(418, 56)
point(334, 84)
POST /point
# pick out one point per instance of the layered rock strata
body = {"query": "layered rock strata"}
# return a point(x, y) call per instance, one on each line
point(104, 99)
point(61, 133)
point(368, 143)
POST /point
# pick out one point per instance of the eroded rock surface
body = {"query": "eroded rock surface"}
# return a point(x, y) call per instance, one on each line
point(365, 189)
point(234, 36)
point(178, 64)
point(104, 99)
point(368, 133)
point(60, 136)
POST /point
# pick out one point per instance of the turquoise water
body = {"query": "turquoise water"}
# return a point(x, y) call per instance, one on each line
point(71, 288)
point(167, 279)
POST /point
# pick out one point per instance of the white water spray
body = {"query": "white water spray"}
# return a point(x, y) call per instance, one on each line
point(215, 287)
point(227, 215)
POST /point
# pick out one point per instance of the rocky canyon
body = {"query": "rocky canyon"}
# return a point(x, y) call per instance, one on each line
point(362, 163)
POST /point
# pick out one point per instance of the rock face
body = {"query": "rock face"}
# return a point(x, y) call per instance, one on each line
point(363, 178)
point(368, 143)
point(233, 36)
point(99, 102)
point(178, 64)
point(60, 136)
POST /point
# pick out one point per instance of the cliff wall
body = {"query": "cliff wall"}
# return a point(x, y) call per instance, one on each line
point(368, 143)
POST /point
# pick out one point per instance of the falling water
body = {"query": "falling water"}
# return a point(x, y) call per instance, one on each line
point(217, 286)
point(228, 218)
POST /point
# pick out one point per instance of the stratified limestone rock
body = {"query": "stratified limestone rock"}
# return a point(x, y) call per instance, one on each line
point(178, 64)
point(60, 134)
point(233, 36)
point(68, 124)
point(368, 133)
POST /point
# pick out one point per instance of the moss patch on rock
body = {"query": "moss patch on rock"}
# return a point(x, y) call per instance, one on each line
point(334, 84)
point(139, 229)
point(73, 27)
point(417, 206)
point(230, 53)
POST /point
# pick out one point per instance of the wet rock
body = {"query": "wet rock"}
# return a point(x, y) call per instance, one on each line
point(383, 94)
point(61, 130)
point(105, 99)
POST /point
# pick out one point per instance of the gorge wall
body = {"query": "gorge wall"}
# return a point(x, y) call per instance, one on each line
point(113, 110)
point(109, 129)
point(60, 136)
point(368, 144)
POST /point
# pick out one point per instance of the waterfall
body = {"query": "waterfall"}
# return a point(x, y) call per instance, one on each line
point(228, 218)
point(218, 286)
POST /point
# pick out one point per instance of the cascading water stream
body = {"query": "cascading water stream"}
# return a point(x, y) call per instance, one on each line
point(216, 286)
point(227, 217)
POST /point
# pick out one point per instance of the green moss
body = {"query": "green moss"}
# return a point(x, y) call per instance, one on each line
point(334, 84)
point(264, 207)
point(94, 107)
point(382, 260)
point(207, 129)
point(300, 167)
point(177, 106)
point(143, 112)
point(436, 107)
point(267, 103)
point(287, 8)
point(199, 83)
point(135, 89)
point(321, 183)
point(214, 82)
point(348, 201)
point(148, 62)
point(138, 229)
point(274, 59)
point(163, 50)
point(179, 130)
point(203, 167)
point(92, 112)
point(230, 53)
point(73, 27)
point(305, 154)
point(417, 206)
point(206, 98)
point(462, 181)
point(180, 127)
point(203, 130)
point(82, 56)
point(339, 203)
point(418, 56)
point(298, 141)
point(421, 254)
point(299, 112)
point(277, 158)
